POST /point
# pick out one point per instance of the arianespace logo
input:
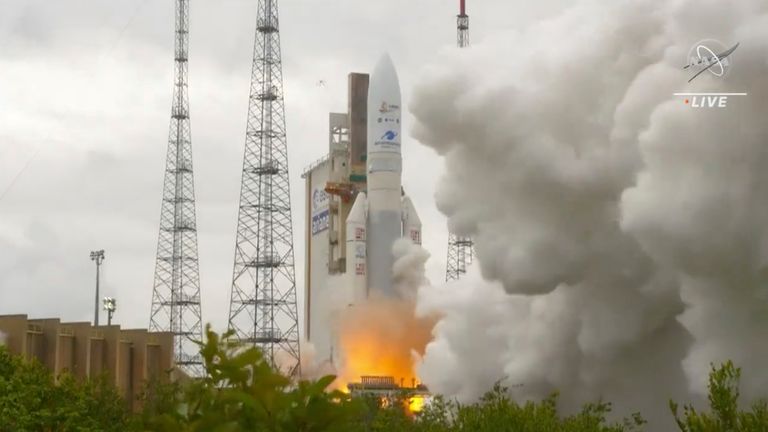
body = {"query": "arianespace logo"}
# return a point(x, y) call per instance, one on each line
point(713, 58)
point(389, 135)
point(389, 140)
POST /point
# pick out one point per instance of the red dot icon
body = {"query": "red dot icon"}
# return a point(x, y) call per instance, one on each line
point(686, 101)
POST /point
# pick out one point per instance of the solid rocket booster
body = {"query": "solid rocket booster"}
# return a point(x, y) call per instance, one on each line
point(387, 214)
point(356, 249)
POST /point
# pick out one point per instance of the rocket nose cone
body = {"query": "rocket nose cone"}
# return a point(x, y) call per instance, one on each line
point(385, 61)
point(385, 68)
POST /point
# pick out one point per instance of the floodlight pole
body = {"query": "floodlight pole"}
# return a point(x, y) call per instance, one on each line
point(110, 305)
point(97, 256)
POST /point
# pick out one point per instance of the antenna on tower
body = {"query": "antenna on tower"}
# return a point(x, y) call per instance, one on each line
point(462, 25)
point(176, 289)
point(460, 248)
point(262, 310)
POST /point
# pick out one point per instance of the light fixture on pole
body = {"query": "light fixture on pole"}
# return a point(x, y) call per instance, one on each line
point(97, 256)
point(110, 305)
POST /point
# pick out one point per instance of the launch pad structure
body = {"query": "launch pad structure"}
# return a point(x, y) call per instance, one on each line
point(388, 391)
point(332, 184)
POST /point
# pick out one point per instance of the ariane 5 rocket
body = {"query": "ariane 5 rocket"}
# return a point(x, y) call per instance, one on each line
point(383, 215)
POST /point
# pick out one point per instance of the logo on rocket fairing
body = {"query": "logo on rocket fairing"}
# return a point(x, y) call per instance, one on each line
point(389, 136)
point(390, 140)
point(385, 108)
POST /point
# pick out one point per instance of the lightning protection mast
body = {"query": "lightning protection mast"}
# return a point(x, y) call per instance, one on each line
point(176, 293)
point(263, 311)
point(460, 248)
point(462, 25)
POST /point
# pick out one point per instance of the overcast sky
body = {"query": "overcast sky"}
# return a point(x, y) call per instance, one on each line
point(85, 98)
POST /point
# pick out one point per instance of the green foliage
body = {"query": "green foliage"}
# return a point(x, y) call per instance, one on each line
point(241, 392)
point(725, 415)
point(496, 411)
point(31, 400)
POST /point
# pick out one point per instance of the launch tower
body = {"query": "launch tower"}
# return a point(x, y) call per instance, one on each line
point(263, 311)
point(460, 248)
point(176, 288)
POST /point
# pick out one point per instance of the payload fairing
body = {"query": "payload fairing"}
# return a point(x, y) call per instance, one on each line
point(385, 214)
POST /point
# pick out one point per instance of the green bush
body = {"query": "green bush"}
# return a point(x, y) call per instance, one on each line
point(241, 392)
point(31, 400)
point(725, 415)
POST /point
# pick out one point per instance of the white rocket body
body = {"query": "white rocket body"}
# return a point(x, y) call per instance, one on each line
point(387, 214)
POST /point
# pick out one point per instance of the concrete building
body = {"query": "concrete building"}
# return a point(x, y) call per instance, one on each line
point(128, 358)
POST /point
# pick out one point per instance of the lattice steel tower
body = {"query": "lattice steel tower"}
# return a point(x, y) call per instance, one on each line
point(460, 249)
point(263, 309)
point(462, 25)
point(176, 293)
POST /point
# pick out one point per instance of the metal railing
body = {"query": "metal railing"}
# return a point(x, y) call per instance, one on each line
point(314, 165)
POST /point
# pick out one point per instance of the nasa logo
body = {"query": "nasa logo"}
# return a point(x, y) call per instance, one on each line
point(704, 55)
point(389, 136)
point(714, 57)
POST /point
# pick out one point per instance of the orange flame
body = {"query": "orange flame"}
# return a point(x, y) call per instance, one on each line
point(382, 337)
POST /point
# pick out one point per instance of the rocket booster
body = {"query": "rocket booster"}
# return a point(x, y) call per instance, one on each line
point(384, 215)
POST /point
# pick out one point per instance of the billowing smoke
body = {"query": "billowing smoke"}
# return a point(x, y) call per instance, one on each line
point(622, 234)
point(329, 306)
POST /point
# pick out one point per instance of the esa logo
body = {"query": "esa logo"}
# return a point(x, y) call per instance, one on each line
point(319, 199)
point(389, 136)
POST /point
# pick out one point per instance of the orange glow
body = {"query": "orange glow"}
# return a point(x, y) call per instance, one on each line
point(382, 337)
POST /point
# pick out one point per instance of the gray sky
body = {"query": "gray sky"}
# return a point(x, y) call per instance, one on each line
point(85, 86)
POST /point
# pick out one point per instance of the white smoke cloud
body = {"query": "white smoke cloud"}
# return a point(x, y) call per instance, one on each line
point(408, 270)
point(621, 233)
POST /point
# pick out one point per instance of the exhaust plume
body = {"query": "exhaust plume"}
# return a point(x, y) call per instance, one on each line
point(383, 336)
point(621, 234)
